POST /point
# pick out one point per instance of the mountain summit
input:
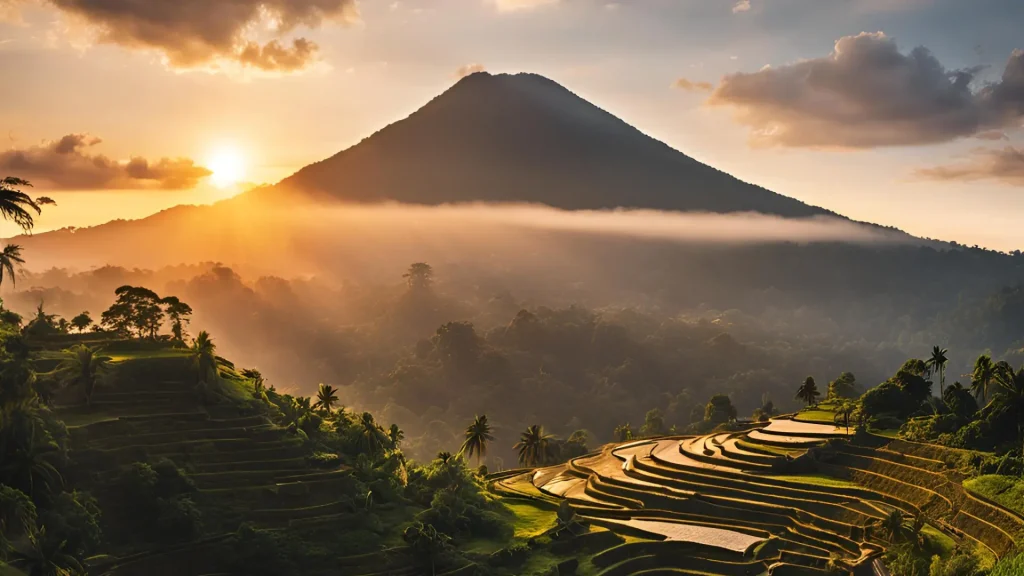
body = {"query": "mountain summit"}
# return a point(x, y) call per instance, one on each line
point(525, 138)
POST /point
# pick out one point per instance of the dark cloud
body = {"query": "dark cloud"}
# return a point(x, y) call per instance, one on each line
point(691, 86)
point(1005, 165)
point(992, 135)
point(66, 164)
point(867, 94)
point(468, 69)
point(193, 33)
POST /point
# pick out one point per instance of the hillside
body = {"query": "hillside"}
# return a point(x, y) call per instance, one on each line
point(526, 139)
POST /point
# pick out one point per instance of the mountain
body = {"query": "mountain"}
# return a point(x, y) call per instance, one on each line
point(526, 139)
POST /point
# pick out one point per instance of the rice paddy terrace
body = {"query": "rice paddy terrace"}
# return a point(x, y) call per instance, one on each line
point(782, 498)
point(246, 469)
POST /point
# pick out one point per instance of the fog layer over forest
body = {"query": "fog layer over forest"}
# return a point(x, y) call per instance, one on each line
point(572, 320)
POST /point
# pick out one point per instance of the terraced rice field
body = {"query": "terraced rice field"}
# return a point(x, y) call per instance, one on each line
point(754, 502)
point(246, 469)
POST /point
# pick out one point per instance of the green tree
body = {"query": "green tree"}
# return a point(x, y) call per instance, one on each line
point(10, 257)
point(179, 313)
point(258, 383)
point(204, 356)
point(478, 434)
point(419, 276)
point(937, 363)
point(654, 424)
point(982, 377)
point(845, 386)
point(719, 410)
point(893, 526)
point(371, 437)
point(396, 435)
point(623, 433)
point(845, 410)
point(533, 446)
point(808, 392)
point(83, 366)
point(326, 398)
point(17, 206)
point(81, 322)
point(427, 543)
point(46, 555)
point(17, 516)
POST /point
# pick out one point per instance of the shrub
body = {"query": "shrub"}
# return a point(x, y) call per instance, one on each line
point(178, 519)
point(324, 460)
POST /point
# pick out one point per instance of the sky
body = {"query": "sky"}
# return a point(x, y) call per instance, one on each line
point(906, 113)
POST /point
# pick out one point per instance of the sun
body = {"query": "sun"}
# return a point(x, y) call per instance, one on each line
point(228, 166)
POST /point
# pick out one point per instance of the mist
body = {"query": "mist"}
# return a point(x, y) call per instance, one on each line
point(611, 314)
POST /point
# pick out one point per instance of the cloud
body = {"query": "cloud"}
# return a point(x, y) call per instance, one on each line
point(1005, 165)
point(66, 164)
point(992, 135)
point(741, 6)
point(518, 5)
point(468, 69)
point(867, 93)
point(201, 33)
point(691, 86)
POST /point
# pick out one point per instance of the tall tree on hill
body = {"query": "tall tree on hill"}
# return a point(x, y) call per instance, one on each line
point(808, 391)
point(420, 276)
point(533, 446)
point(937, 362)
point(83, 366)
point(204, 356)
point(982, 377)
point(179, 313)
point(478, 434)
point(326, 398)
point(10, 256)
point(18, 206)
point(136, 308)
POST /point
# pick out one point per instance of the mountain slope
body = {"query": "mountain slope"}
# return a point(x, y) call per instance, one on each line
point(525, 138)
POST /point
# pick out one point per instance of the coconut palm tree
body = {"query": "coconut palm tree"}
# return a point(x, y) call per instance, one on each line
point(27, 464)
point(371, 437)
point(808, 391)
point(982, 377)
point(85, 367)
point(396, 435)
point(16, 205)
point(533, 446)
point(478, 434)
point(9, 257)
point(17, 516)
point(892, 526)
point(204, 356)
point(1010, 392)
point(326, 398)
point(46, 555)
point(845, 410)
point(937, 363)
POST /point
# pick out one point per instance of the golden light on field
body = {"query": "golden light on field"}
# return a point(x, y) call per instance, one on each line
point(228, 166)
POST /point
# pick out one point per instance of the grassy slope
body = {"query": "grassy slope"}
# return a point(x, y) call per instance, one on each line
point(1005, 490)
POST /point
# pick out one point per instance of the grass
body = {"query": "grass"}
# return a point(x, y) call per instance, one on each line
point(819, 480)
point(530, 520)
point(121, 356)
point(78, 420)
point(891, 433)
point(1009, 566)
point(817, 415)
point(939, 541)
point(1007, 491)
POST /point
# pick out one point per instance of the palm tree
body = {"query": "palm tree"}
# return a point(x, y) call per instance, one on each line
point(982, 377)
point(937, 362)
point(27, 465)
point(326, 398)
point(9, 256)
point(46, 555)
point(844, 412)
point(533, 446)
point(371, 436)
point(396, 435)
point(17, 515)
point(1010, 392)
point(15, 204)
point(478, 434)
point(204, 355)
point(808, 391)
point(892, 526)
point(256, 377)
point(83, 366)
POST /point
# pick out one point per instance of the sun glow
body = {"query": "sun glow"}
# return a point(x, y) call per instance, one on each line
point(227, 165)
